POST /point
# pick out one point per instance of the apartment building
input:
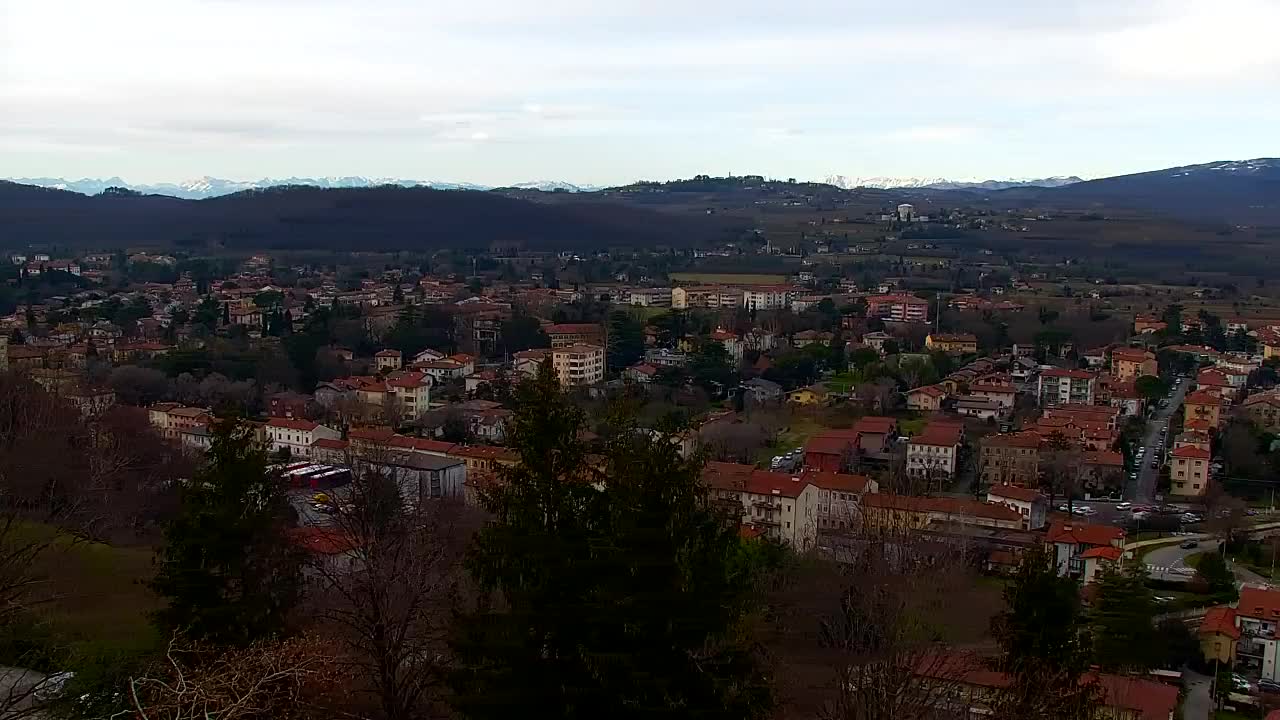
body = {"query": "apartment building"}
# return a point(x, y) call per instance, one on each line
point(1031, 504)
point(171, 419)
point(778, 505)
point(1132, 363)
point(958, 343)
point(1258, 617)
point(1204, 406)
point(1189, 470)
point(1060, 386)
point(898, 308)
point(712, 297)
point(578, 365)
point(1010, 459)
point(768, 298)
point(935, 452)
point(566, 334)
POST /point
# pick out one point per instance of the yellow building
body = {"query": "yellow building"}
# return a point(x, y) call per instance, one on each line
point(812, 395)
point(1219, 635)
point(961, 343)
point(1204, 406)
point(578, 365)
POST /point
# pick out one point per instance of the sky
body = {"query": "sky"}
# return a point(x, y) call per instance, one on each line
point(611, 91)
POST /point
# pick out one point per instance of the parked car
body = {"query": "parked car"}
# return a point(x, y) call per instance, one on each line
point(1188, 544)
point(1124, 506)
point(1268, 686)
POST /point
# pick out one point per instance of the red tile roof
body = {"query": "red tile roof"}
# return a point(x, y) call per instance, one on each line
point(1220, 621)
point(1081, 533)
point(1110, 552)
point(322, 541)
point(1190, 452)
point(575, 329)
point(387, 353)
point(763, 482)
point(832, 442)
point(841, 482)
point(1063, 372)
point(1109, 458)
point(331, 444)
point(941, 505)
point(1202, 397)
point(293, 424)
point(930, 390)
point(1259, 603)
point(875, 424)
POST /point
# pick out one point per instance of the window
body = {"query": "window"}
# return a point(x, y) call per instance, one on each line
point(788, 526)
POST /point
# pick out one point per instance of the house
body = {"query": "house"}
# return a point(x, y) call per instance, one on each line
point(1203, 405)
point(781, 506)
point(566, 334)
point(288, 405)
point(388, 360)
point(578, 365)
point(977, 407)
point(428, 355)
point(1070, 539)
point(731, 342)
point(1263, 409)
point(1097, 559)
point(1146, 324)
point(196, 438)
point(805, 338)
point(952, 343)
point(640, 372)
point(1010, 459)
point(830, 450)
point(1031, 504)
point(171, 419)
point(527, 361)
point(1189, 471)
point(1219, 635)
point(421, 476)
point(331, 551)
point(442, 370)
point(1258, 618)
point(1132, 363)
point(815, 394)
point(927, 398)
point(876, 435)
point(1000, 394)
point(1060, 386)
point(876, 340)
point(295, 436)
point(762, 392)
point(1101, 471)
point(935, 452)
point(246, 316)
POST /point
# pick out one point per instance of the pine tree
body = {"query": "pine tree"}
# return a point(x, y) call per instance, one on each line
point(1044, 645)
point(623, 593)
point(1124, 633)
point(227, 571)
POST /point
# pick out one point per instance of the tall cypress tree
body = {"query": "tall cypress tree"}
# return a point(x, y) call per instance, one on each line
point(227, 571)
point(1125, 637)
point(622, 593)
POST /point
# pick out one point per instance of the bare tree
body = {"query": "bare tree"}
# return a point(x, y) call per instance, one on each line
point(391, 586)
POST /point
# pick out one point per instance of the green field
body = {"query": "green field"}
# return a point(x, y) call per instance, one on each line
point(728, 278)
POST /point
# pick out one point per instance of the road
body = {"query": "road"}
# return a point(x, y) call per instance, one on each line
point(1170, 563)
point(1144, 489)
point(1197, 704)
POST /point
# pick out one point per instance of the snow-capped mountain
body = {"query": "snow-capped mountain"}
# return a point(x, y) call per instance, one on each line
point(915, 183)
point(554, 186)
point(207, 187)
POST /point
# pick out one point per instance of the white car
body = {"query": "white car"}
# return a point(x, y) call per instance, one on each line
point(1123, 506)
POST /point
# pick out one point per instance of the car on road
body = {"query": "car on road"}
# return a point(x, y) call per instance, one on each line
point(1155, 464)
point(1269, 686)
point(1189, 543)
point(1124, 506)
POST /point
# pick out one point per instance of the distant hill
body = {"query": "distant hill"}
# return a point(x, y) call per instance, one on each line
point(913, 183)
point(341, 219)
point(207, 187)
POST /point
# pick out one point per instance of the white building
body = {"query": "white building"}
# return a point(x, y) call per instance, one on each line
point(1059, 386)
point(778, 505)
point(1258, 617)
point(906, 212)
point(578, 365)
point(296, 435)
point(933, 454)
point(1032, 505)
point(768, 298)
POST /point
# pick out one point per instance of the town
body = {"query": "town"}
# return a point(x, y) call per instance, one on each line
point(1107, 425)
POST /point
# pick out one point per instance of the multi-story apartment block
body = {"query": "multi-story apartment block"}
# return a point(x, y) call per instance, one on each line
point(296, 435)
point(566, 334)
point(1189, 470)
point(1132, 363)
point(778, 505)
point(1010, 459)
point(578, 365)
point(898, 308)
point(768, 298)
point(935, 452)
point(1059, 386)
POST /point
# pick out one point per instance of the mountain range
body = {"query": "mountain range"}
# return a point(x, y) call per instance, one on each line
point(914, 183)
point(208, 187)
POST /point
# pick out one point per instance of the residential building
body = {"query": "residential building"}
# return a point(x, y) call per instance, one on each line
point(90, 401)
point(1189, 471)
point(768, 297)
point(1258, 617)
point(977, 407)
point(815, 394)
point(1059, 386)
point(640, 372)
point(1204, 405)
point(1010, 459)
point(528, 361)
point(898, 308)
point(1101, 471)
point(927, 399)
point(831, 450)
point(1070, 539)
point(888, 511)
point(288, 405)
point(1263, 409)
point(1146, 324)
point(780, 506)
point(1031, 504)
point(935, 452)
point(171, 419)
point(731, 342)
point(1002, 395)
point(388, 360)
point(566, 334)
point(1219, 635)
point(421, 477)
point(295, 436)
point(196, 438)
point(876, 340)
point(762, 392)
point(956, 343)
point(1132, 363)
point(839, 497)
point(578, 365)
point(665, 357)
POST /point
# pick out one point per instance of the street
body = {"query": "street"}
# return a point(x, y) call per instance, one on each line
point(1145, 488)
point(1170, 563)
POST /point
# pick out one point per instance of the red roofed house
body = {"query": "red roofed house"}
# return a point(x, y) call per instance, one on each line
point(296, 435)
point(1258, 617)
point(387, 360)
point(640, 372)
point(830, 450)
point(1031, 504)
point(334, 549)
point(928, 398)
point(935, 452)
point(782, 506)
point(1096, 558)
point(1059, 386)
point(1189, 470)
point(888, 511)
point(839, 497)
point(1071, 539)
point(875, 433)
point(1203, 405)
point(566, 334)
point(1000, 394)
point(1132, 363)
point(898, 308)
point(1219, 634)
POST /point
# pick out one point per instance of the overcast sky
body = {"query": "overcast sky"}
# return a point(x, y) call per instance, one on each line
point(607, 91)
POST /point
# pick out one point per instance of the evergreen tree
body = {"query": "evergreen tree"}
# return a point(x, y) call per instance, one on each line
point(626, 341)
point(1125, 637)
point(624, 601)
point(226, 314)
point(397, 295)
point(227, 572)
point(1044, 644)
point(1213, 571)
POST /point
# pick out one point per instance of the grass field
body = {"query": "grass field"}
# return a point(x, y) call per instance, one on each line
point(799, 432)
point(728, 278)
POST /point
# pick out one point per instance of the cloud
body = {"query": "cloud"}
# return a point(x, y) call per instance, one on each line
point(933, 134)
point(1216, 40)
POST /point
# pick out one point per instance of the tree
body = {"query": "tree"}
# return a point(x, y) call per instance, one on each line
point(625, 341)
point(1125, 638)
point(1213, 571)
point(228, 572)
point(624, 601)
point(136, 385)
point(1150, 387)
point(1044, 646)
point(523, 332)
